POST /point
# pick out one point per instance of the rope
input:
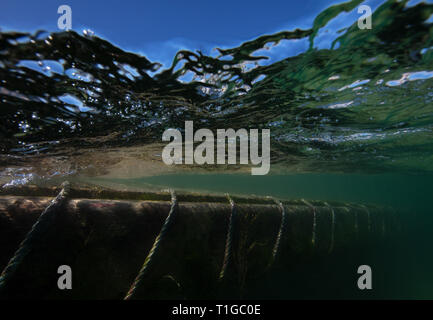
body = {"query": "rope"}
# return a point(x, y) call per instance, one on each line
point(331, 245)
point(38, 230)
point(368, 217)
point(148, 262)
point(313, 235)
point(228, 247)
point(277, 245)
point(356, 223)
point(350, 209)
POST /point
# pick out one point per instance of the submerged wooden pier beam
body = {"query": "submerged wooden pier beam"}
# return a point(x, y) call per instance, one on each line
point(107, 242)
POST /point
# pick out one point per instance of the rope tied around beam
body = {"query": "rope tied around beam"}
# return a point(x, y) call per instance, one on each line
point(138, 282)
point(37, 231)
point(229, 238)
point(276, 249)
point(356, 225)
point(331, 244)
point(349, 209)
point(368, 217)
point(313, 233)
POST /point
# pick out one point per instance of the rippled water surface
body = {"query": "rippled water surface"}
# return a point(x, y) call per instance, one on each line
point(357, 101)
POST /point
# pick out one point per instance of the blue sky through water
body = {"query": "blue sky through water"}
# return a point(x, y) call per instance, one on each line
point(158, 29)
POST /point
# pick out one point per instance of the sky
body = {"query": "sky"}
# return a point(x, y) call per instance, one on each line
point(159, 28)
point(128, 22)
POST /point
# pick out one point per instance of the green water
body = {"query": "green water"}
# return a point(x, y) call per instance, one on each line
point(407, 191)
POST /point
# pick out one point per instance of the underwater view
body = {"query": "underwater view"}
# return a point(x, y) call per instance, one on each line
point(113, 162)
